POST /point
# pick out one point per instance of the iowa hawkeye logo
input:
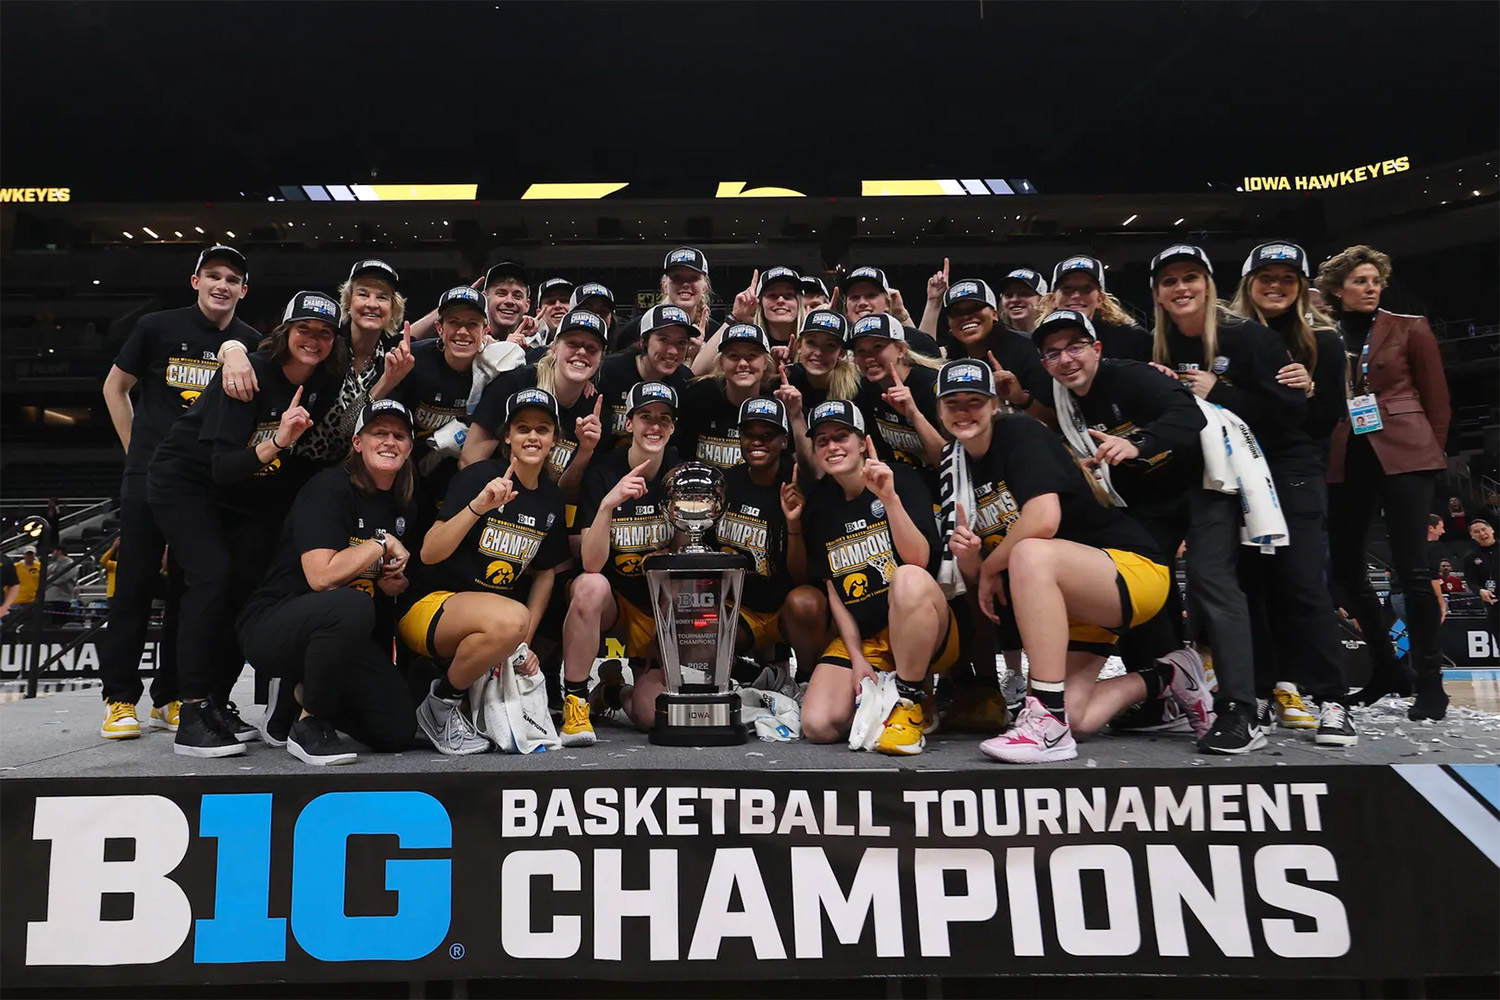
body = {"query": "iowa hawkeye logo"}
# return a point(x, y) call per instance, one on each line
point(190, 376)
point(500, 574)
point(856, 586)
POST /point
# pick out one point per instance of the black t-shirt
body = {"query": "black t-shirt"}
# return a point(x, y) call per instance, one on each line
point(797, 377)
point(708, 426)
point(1017, 355)
point(637, 527)
point(1125, 343)
point(332, 513)
point(490, 414)
point(1248, 358)
point(1026, 460)
point(1481, 567)
point(753, 523)
point(173, 356)
point(527, 536)
point(849, 542)
point(618, 374)
point(1326, 407)
point(895, 436)
point(1158, 415)
point(433, 391)
point(217, 427)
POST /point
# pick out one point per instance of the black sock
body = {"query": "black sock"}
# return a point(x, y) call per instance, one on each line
point(578, 689)
point(1050, 694)
point(1158, 677)
point(910, 690)
point(447, 691)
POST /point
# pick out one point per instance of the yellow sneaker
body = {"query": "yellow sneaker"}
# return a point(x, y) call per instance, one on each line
point(120, 722)
point(1290, 712)
point(577, 730)
point(903, 730)
point(165, 716)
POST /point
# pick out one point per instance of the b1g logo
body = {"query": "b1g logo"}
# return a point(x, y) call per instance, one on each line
point(81, 829)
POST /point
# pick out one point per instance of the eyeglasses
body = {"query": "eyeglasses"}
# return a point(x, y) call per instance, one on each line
point(1074, 350)
point(1068, 291)
point(789, 296)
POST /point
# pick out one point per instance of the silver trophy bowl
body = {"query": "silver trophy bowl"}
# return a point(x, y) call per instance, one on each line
point(695, 500)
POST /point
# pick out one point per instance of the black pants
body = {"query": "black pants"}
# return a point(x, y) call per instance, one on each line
point(1295, 627)
point(223, 558)
point(1406, 499)
point(137, 581)
point(1163, 632)
point(324, 641)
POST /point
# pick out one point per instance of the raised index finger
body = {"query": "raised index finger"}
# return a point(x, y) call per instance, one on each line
point(896, 375)
point(994, 363)
point(870, 448)
point(945, 268)
point(296, 398)
point(640, 469)
point(755, 281)
point(510, 470)
point(783, 374)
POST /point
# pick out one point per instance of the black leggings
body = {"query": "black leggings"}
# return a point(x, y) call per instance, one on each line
point(137, 580)
point(325, 642)
point(1406, 499)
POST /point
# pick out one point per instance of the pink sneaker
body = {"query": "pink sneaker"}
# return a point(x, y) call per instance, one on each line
point(1190, 689)
point(1036, 737)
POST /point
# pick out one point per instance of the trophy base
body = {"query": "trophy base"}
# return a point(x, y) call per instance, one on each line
point(698, 721)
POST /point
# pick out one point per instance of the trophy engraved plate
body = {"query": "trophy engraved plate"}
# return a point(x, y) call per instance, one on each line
point(695, 593)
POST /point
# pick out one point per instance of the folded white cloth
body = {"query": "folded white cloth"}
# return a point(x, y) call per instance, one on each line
point(511, 709)
point(445, 442)
point(1234, 463)
point(498, 357)
point(876, 700)
point(775, 715)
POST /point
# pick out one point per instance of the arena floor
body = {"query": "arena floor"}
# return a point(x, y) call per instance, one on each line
point(58, 736)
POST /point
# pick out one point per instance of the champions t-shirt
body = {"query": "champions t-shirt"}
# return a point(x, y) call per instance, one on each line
point(895, 436)
point(849, 542)
point(527, 536)
point(332, 513)
point(637, 527)
point(708, 426)
point(218, 424)
point(753, 524)
point(173, 356)
point(490, 414)
point(433, 391)
point(618, 374)
point(1027, 460)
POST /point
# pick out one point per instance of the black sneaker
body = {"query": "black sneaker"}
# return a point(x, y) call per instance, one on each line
point(1336, 726)
point(200, 733)
point(1265, 716)
point(1234, 731)
point(242, 730)
point(281, 711)
point(1154, 715)
point(1431, 701)
point(315, 741)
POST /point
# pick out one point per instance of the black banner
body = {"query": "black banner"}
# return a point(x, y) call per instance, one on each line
point(1348, 871)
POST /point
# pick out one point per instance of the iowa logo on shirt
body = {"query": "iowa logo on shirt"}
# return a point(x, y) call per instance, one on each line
point(856, 586)
point(500, 574)
point(628, 563)
point(265, 432)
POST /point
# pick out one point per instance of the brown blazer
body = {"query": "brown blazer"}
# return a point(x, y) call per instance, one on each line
point(1406, 376)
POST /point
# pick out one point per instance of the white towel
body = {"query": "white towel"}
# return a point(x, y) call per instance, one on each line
point(1234, 463)
point(775, 715)
point(445, 442)
point(494, 359)
point(1076, 432)
point(876, 700)
point(955, 489)
point(511, 709)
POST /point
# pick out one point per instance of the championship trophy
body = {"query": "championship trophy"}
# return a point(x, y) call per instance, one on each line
point(696, 594)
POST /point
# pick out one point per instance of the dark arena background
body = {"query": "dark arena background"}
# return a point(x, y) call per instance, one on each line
point(586, 141)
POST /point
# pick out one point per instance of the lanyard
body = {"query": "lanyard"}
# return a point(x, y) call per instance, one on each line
point(1364, 364)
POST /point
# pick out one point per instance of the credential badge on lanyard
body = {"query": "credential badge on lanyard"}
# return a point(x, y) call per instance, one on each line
point(1364, 412)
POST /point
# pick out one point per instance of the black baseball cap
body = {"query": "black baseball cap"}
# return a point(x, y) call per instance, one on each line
point(874, 275)
point(689, 257)
point(582, 319)
point(377, 408)
point(539, 399)
point(776, 274)
point(461, 295)
point(966, 375)
point(878, 325)
point(826, 321)
point(1088, 265)
point(969, 290)
point(506, 269)
point(589, 290)
point(644, 393)
point(1026, 276)
point(378, 268)
point(836, 411)
point(1058, 319)
point(312, 305)
point(744, 333)
point(1177, 252)
point(220, 251)
point(663, 317)
point(547, 286)
point(1267, 254)
point(813, 285)
point(767, 408)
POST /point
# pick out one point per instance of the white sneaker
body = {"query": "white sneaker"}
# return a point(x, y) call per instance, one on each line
point(1189, 686)
point(1036, 737)
point(449, 729)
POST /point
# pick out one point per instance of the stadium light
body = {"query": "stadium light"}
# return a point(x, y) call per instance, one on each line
point(128, 236)
point(1130, 220)
point(1179, 222)
point(229, 233)
point(150, 232)
point(199, 229)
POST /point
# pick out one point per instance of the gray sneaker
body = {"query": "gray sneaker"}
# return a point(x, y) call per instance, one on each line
point(450, 730)
point(1013, 689)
